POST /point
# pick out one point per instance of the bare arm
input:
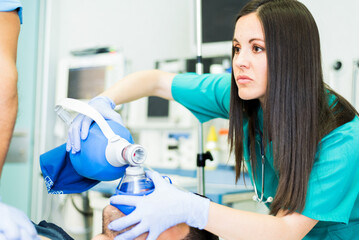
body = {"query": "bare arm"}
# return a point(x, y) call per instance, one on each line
point(141, 84)
point(236, 224)
point(9, 32)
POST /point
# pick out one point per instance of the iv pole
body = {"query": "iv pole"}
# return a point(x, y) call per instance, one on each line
point(201, 157)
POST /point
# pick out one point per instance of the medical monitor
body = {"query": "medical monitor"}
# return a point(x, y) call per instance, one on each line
point(84, 77)
point(157, 107)
point(218, 21)
point(86, 82)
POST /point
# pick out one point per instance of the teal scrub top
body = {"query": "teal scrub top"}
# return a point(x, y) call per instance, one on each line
point(333, 187)
point(11, 5)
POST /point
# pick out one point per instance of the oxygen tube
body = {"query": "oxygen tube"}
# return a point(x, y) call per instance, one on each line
point(119, 151)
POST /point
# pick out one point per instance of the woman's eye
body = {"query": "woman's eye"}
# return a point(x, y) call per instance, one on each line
point(236, 49)
point(258, 49)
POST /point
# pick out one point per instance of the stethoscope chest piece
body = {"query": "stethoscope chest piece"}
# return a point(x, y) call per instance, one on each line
point(260, 200)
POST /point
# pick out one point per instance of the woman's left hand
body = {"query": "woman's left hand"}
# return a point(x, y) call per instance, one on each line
point(165, 207)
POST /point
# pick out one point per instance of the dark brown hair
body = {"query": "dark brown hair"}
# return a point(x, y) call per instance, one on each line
point(296, 112)
point(199, 234)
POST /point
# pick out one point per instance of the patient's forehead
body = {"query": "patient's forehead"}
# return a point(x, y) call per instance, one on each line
point(177, 232)
point(112, 213)
point(44, 238)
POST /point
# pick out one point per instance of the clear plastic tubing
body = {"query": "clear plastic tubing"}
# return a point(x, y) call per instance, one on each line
point(64, 115)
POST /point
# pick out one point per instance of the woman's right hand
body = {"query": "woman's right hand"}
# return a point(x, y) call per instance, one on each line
point(79, 128)
point(165, 207)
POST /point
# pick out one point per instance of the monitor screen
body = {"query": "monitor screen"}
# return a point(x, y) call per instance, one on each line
point(218, 19)
point(157, 107)
point(86, 82)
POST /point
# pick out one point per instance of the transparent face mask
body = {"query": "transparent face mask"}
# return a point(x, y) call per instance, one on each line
point(135, 182)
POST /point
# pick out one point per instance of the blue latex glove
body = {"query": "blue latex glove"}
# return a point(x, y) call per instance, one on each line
point(14, 224)
point(81, 124)
point(165, 207)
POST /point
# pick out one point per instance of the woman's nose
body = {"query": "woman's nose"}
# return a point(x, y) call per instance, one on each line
point(241, 60)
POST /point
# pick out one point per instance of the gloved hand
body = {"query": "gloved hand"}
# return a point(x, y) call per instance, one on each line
point(81, 124)
point(14, 224)
point(165, 207)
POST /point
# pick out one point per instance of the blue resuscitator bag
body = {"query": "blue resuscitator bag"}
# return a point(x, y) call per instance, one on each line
point(104, 155)
point(91, 160)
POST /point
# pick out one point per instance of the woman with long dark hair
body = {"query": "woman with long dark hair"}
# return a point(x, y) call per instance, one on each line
point(298, 139)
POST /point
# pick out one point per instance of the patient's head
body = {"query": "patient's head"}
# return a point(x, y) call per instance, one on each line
point(179, 232)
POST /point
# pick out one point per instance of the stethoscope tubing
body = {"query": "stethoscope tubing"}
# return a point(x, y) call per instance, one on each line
point(256, 196)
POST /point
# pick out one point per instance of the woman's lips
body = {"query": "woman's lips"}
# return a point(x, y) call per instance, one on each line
point(243, 79)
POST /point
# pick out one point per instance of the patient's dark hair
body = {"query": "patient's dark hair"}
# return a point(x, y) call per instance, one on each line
point(197, 234)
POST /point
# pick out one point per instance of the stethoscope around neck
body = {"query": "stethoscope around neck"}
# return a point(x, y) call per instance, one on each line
point(256, 196)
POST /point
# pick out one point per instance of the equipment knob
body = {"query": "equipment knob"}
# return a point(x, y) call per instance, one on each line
point(337, 65)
